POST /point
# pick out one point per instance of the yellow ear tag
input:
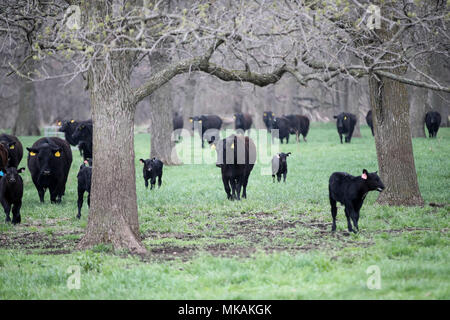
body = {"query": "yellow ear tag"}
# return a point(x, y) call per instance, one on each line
point(11, 147)
point(265, 114)
point(213, 146)
point(32, 154)
point(72, 121)
point(190, 120)
point(57, 154)
point(199, 121)
point(232, 146)
point(345, 118)
point(273, 114)
point(59, 123)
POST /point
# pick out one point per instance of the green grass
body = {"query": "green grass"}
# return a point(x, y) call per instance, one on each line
point(276, 244)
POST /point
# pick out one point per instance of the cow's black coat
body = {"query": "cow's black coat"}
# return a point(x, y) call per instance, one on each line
point(83, 134)
point(84, 184)
point(369, 120)
point(298, 124)
point(14, 147)
point(177, 122)
point(236, 156)
point(268, 117)
point(345, 125)
point(49, 161)
point(242, 121)
point(11, 192)
point(351, 192)
point(208, 127)
point(279, 166)
point(281, 124)
point(3, 157)
point(153, 168)
point(433, 121)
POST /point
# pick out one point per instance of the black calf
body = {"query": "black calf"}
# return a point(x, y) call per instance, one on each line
point(11, 191)
point(351, 192)
point(84, 184)
point(279, 166)
point(152, 168)
point(433, 121)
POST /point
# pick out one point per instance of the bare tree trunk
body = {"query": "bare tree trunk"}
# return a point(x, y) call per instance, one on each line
point(390, 109)
point(161, 127)
point(113, 215)
point(27, 123)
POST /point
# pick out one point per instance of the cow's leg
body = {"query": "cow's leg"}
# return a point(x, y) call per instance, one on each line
point(304, 138)
point(355, 221)
point(297, 138)
point(80, 201)
point(278, 177)
point(146, 183)
point(273, 177)
point(152, 183)
point(53, 195)
point(347, 214)
point(7, 209)
point(239, 184)
point(41, 192)
point(16, 212)
point(244, 187)
point(287, 139)
point(340, 136)
point(159, 181)
point(233, 188)
point(89, 199)
point(333, 212)
point(226, 186)
point(284, 176)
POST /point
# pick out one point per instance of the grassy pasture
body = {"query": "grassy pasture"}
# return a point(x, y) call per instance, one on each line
point(276, 244)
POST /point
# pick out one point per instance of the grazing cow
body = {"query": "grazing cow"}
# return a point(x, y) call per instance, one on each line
point(345, 125)
point(84, 184)
point(298, 125)
point(14, 147)
point(3, 159)
point(153, 168)
point(242, 121)
point(433, 121)
point(236, 156)
point(210, 123)
point(369, 120)
point(83, 134)
point(177, 121)
point(49, 161)
point(268, 117)
point(282, 125)
point(11, 191)
point(279, 166)
point(351, 192)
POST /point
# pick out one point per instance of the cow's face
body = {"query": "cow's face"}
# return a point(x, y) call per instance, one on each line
point(8, 145)
point(67, 125)
point(238, 119)
point(12, 174)
point(148, 164)
point(283, 157)
point(268, 117)
point(80, 132)
point(47, 156)
point(342, 120)
point(373, 181)
point(195, 119)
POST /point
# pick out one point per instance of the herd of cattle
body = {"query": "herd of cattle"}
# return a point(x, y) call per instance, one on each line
point(50, 159)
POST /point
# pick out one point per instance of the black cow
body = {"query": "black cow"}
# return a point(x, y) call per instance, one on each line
point(281, 124)
point(236, 156)
point(433, 121)
point(11, 192)
point(84, 184)
point(204, 123)
point(268, 117)
point(279, 166)
point(345, 125)
point(298, 125)
point(83, 134)
point(242, 121)
point(69, 127)
point(177, 121)
point(14, 147)
point(49, 161)
point(153, 168)
point(369, 120)
point(351, 192)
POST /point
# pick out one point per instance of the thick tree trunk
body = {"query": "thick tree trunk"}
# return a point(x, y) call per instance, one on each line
point(113, 215)
point(390, 109)
point(26, 123)
point(161, 127)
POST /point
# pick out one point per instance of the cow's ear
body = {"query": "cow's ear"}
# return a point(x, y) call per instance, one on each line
point(287, 154)
point(20, 170)
point(142, 160)
point(278, 155)
point(12, 145)
point(32, 151)
point(364, 174)
point(335, 117)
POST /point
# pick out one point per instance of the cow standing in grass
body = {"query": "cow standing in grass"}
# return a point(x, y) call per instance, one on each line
point(282, 125)
point(177, 122)
point(433, 121)
point(279, 166)
point(208, 127)
point(236, 156)
point(11, 192)
point(49, 161)
point(14, 147)
point(242, 121)
point(84, 177)
point(298, 124)
point(351, 192)
point(153, 168)
point(345, 125)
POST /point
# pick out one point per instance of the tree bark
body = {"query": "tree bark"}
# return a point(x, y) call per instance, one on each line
point(418, 98)
point(390, 109)
point(161, 127)
point(26, 123)
point(113, 215)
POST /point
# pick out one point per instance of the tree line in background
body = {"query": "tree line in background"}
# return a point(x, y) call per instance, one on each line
point(262, 43)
